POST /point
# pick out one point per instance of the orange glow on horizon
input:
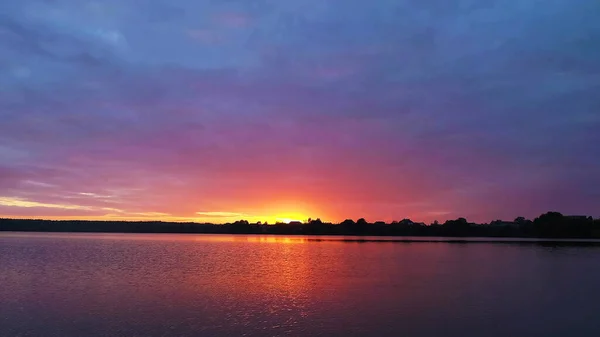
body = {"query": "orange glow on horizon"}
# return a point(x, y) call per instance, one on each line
point(268, 205)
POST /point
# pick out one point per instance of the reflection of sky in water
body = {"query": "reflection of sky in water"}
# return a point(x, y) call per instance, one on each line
point(153, 285)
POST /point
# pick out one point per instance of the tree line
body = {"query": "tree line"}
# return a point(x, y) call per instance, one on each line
point(547, 225)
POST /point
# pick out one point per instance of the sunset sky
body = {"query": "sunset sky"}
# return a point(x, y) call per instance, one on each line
point(288, 109)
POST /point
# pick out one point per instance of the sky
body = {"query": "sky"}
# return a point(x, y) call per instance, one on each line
point(206, 110)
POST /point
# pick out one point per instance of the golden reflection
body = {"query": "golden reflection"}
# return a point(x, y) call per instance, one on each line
point(250, 238)
point(275, 239)
point(276, 270)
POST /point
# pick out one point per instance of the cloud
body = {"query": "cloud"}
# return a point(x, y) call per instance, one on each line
point(206, 36)
point(438, 213)
point(232, 19)
point(113, 37)
point(95, 195)
point(370, 103)
point(38, 184)
point(19, 202)
point(220, 214)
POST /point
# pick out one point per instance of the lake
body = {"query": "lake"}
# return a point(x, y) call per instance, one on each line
point(236, 285)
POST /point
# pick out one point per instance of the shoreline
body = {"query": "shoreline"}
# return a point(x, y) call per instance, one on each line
point(315, 238)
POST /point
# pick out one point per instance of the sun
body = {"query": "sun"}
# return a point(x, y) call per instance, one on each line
point(287, 220)
point(285, 215)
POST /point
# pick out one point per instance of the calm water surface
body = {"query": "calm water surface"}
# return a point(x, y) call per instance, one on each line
point(225, 285)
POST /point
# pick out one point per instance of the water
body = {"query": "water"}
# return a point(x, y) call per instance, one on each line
point(225, 285)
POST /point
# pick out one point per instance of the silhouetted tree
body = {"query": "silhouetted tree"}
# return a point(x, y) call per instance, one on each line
point(348, 226)
point(458, 227)
point(315, 227)
point(551, 224)
point(348, 222)
point(241, 226)
point(361, 226)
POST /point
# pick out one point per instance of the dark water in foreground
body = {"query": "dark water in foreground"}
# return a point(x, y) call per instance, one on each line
point(178, 285)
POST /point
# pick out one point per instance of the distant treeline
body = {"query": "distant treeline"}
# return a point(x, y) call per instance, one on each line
point(548, 225)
